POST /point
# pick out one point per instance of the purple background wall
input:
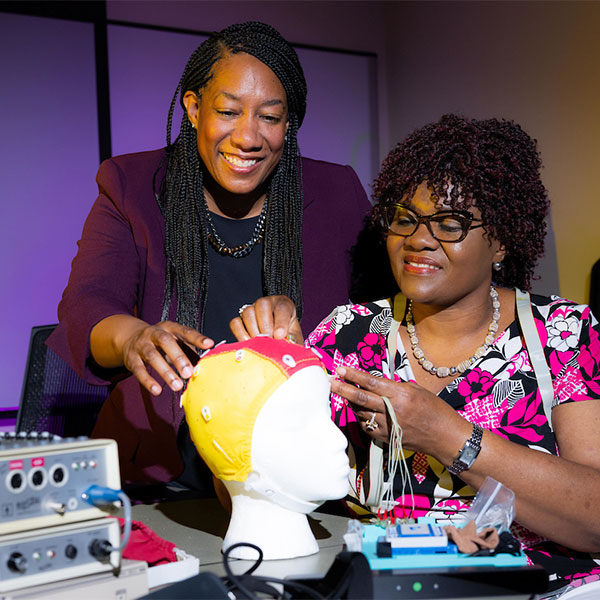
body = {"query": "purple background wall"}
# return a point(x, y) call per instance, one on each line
point(50, 144)
point(49, 156)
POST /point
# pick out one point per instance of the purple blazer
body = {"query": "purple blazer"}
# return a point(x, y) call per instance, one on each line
point(120, 269)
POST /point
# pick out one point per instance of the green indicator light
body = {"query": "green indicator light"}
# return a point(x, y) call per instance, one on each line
point(417, 586)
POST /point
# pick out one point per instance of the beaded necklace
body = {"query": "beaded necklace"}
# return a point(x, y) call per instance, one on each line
point(243, 249)
point(465, 364)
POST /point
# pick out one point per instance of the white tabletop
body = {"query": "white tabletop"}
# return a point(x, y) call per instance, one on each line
point(199, 526)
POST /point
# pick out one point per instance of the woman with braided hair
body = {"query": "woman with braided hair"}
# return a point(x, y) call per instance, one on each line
point(179, 239)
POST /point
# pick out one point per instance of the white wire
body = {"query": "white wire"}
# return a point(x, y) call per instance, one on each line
point(396, 459)
point(127, 518)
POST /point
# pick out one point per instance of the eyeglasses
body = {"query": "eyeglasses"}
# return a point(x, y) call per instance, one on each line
point(445, 225)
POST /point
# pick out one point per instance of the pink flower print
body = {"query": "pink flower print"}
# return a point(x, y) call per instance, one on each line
point(351, 360)
point(344, 317)
point(590, 355)
point(519, 362)
point(484, 412)
point(338, 360)
point(475, 384)
point(563, 334)
point(571, 386)
point(361, 310)
point(337, 403)
point(344, 415)
point(320, 331)
point(370, 351)
point(579, 579)
point(423, 507)
point(454, 507)
point(404, 504)
point(524, 420)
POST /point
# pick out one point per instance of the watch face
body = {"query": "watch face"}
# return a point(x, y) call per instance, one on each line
point(469, 454)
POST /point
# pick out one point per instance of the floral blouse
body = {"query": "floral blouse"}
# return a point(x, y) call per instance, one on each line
point(499, 392)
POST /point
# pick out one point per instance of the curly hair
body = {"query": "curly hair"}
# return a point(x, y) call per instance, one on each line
point(491, 164)
point(181, 194)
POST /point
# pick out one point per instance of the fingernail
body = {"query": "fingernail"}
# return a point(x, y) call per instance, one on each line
point(187, 372)
point(176, 384)
point(155, 389)
point(341, 371)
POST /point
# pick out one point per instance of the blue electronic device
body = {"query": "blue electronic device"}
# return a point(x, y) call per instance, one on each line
point(414, 538)
point(423, 545)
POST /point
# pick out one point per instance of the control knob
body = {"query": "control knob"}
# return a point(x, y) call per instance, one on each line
point(17, 563)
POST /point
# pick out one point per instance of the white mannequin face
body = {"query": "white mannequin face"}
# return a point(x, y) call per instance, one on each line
point(296, 445)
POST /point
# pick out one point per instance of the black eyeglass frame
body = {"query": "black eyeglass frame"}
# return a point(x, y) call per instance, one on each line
point(467, 224)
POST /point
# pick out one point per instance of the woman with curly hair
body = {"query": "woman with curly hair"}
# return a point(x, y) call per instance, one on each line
point(452, 358)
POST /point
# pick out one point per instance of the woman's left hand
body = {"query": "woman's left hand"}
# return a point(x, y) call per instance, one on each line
point(428, 423)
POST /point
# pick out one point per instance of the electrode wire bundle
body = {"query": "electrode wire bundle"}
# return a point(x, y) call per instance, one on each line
point(396, 461)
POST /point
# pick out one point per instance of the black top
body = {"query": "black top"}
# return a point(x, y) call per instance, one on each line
point(233, 282)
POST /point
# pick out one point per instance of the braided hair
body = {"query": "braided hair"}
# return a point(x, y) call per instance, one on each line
point(181, 196)
point(492, 164)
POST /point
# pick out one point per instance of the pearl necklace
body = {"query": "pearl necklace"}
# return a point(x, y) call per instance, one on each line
point(465, 364)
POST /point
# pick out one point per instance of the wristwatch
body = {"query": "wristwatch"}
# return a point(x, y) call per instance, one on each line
point(466, 457)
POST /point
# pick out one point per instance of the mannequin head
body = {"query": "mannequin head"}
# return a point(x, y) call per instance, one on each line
point(258, 413)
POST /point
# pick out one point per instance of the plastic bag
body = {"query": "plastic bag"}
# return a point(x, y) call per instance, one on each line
point(494, 506)
point(353, 537)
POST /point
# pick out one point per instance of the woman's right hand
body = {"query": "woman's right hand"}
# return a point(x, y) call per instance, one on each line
point(124, 340)
point(274, 316)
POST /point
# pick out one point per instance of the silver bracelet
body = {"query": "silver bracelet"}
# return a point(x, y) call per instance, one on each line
point(469, 452)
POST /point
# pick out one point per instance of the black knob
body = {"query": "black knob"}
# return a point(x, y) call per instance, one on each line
point(17, 563)
point(71, 551)
point(100, 549)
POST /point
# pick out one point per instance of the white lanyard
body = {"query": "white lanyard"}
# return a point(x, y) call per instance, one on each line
point(536, 352)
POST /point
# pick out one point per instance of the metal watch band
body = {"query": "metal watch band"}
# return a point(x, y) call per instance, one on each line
point(469, 452)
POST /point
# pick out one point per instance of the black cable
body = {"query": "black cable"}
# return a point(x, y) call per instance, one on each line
point(235, 579)
point(300, 587)
point(248, 584)
point(246, 545)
